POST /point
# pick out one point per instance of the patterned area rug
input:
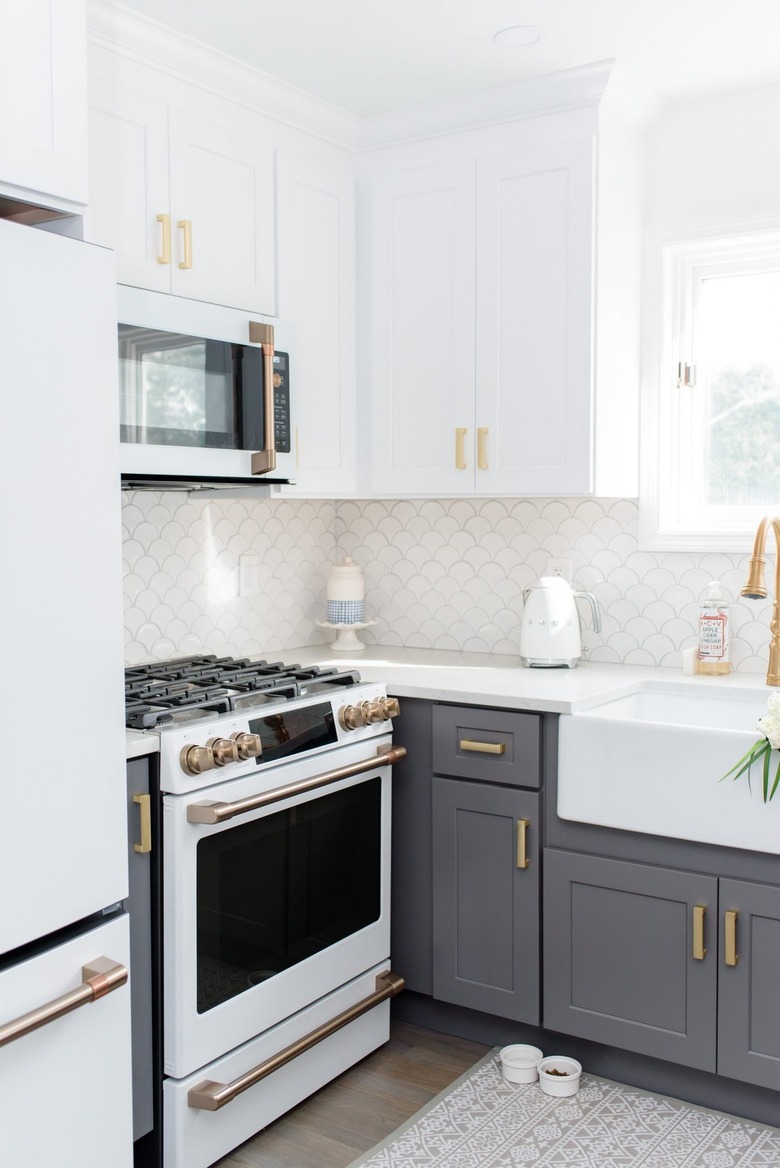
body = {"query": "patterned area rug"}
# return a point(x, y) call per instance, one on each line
point(481, 1121)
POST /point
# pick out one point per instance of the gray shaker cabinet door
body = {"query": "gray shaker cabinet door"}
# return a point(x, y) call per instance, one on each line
point(748, 1013)
point(619, 964)
point(485, 907)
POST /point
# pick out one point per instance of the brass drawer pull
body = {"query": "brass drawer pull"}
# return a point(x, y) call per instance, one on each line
point(482, 451)
point(522, 860)
point(483, 747)
point(145, 804)
point(165, 221)
point(210, 1096)
point(699, 913)
point(186, 227)
point(730, 937)
point(98, 978)
point(460, 451)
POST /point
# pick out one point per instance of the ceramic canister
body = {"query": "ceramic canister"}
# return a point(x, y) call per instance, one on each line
point(345, 594)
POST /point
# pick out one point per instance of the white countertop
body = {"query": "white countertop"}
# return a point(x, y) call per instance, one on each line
point(141, 742)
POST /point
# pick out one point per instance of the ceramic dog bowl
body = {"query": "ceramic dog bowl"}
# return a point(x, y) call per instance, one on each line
point(559, 1075)
point(519, 1063)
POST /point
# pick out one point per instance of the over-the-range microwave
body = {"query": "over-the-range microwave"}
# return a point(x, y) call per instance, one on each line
point(204, 395)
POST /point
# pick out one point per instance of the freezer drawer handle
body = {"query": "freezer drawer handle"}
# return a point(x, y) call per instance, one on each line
point(210, 1096)
point(99, 978)
point(219, 812)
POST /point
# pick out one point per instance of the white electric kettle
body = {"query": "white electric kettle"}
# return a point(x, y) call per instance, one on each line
point(550, 630)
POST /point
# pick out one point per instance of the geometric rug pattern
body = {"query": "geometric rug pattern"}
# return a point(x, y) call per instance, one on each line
point(484, 1122)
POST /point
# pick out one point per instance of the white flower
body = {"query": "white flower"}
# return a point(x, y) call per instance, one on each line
point(769, 725)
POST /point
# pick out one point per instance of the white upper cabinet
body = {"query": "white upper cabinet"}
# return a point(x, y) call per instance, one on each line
point(43, 102)
point(187, 204)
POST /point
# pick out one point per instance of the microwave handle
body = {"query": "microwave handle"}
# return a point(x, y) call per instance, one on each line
point(264, 461)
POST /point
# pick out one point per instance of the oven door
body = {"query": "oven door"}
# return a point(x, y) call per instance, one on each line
point(274, 907)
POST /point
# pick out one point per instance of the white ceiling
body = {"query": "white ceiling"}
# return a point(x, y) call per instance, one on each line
point(371, 57)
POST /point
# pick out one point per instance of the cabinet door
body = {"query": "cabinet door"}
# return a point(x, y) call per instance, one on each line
point(485, 905)
point(317, 300)
point(43, 98)
point(128, 181)
point(535, 241)
point(422, 330)
point(619, 961)
point(748, 1015)
point(222, 184)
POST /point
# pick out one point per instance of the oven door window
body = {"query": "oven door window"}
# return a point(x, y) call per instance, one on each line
point(282, 888)
point(177, 390)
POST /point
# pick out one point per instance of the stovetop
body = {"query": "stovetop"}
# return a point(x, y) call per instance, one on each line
point(187, 689)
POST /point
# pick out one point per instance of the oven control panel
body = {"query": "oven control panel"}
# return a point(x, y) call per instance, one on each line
point(367, 713)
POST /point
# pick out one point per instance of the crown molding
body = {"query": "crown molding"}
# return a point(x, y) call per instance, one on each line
point(630, 99)
point(113, 27)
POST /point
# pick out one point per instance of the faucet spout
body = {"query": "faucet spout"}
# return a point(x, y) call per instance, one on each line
point(755, 589)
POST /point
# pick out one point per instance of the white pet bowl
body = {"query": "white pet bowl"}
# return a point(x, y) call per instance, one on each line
point(566, 1082)
point(519, 1063)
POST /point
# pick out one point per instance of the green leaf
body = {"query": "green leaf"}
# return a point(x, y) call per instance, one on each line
point(747, 760)
point(775, 784)
point(765, 783)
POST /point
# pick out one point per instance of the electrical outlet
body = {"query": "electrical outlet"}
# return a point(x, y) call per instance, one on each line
point(560, 567)
point(248, 573)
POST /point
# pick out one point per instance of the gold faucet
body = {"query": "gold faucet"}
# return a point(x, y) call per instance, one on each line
point(755, 589)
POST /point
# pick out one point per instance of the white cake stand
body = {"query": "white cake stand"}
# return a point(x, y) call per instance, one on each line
point(346, 636)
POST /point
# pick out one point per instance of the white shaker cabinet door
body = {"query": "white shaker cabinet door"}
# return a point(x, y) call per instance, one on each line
point(43, 99)
point(535, 255)
point(222, 198)
point(67, 1089)
point(422, 331)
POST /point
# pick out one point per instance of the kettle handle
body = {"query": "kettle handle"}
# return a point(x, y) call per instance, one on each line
point(594, 608)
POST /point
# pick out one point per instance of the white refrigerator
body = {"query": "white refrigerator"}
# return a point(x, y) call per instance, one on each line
point(65, 1063)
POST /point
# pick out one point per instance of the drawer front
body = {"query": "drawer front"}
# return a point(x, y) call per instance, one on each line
point(494, 746)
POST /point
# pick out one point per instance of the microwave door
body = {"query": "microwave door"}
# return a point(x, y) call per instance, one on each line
point(264, 461)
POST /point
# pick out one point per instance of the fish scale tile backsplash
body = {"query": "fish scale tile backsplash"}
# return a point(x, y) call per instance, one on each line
point(444, 574)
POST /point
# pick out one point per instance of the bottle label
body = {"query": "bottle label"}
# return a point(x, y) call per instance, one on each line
point(713, 634)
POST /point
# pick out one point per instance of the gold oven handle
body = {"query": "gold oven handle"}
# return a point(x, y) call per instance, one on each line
point(99, 978)
point(264, 461)
point(219, 812)
point(210, 1096)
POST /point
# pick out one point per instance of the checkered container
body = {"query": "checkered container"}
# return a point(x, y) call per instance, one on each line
point(345, 592)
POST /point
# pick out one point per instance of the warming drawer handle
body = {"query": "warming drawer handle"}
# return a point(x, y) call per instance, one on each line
point(99, 978)
point(264, 461)
point(210, 1096)
point(219, 812)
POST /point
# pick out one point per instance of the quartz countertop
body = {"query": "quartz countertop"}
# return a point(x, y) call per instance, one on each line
point(141, 742)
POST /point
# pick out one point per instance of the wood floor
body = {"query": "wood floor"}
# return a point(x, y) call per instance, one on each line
point(364, 1105)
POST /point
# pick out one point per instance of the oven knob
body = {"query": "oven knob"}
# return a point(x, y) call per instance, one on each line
point(374, 712)
point(194, 760)
point(249, 745)
point(391, 707)
point(352, 717)
point(225, 750)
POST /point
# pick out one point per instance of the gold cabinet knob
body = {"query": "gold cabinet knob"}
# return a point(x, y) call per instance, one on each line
point(352, 717)
point(249, 745)
point(194, 760)
point(225, 750)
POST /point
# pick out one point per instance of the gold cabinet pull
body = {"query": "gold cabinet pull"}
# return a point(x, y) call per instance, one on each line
point(98, 978)
point(186, 227)
point(165, 221)
point(460, 448)
point(699, 913)
point(482, 454)
point(482, 747)
point(210, 1096)
point(522, 860)
point(264, 460)
point(730, 937)
point(145, 804)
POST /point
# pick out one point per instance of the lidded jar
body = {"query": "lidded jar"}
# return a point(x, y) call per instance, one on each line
point(345, 592)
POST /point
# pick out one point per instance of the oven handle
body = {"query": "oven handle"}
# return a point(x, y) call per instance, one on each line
point(219, 812)
point(98, 978)
point(264, 460)
point(210, 1096)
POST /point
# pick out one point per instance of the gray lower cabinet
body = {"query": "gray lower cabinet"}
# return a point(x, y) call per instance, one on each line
point(486, 898)
point(674, 964)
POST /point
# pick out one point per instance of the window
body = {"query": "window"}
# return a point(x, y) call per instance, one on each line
point(711, 415)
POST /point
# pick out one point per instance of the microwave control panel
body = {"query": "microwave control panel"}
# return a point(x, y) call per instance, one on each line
point(282, 401)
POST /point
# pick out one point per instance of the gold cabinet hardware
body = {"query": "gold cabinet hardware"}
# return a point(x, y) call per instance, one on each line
point(186, 227)
point(218, 812)
point(165, 221)
point(699, 913)
point(460, 448)
point(145, 804)
point(521, 853)
point(210, 1096)
point(482, 453)
point(730, 937)
point(482, 747)
point(98, 978)
point(264, 460)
